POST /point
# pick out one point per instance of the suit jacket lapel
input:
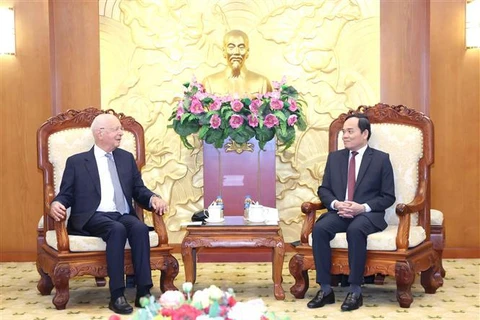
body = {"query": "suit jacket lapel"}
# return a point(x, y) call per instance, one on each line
point(367, 158)
point(91, 165)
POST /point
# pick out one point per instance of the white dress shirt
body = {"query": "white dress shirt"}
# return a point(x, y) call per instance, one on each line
point(107, 203)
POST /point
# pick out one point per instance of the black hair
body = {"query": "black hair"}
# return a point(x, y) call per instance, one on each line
point(363, 123)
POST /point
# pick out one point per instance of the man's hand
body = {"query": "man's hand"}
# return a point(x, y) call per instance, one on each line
point(349, 209)
point(159, 205)
point(57, 211)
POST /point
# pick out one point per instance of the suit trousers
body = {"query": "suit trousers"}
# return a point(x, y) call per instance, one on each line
point(115, 229)
point(357, 230)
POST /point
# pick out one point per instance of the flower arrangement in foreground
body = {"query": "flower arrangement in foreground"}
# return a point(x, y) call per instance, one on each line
point(210, 303)
point(215, 118)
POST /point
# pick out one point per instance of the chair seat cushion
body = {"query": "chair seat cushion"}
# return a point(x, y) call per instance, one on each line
point(85, 243)
point(436, 217)
point(384, 240)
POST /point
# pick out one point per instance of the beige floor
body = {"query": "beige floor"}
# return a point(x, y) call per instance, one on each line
point(459, 298)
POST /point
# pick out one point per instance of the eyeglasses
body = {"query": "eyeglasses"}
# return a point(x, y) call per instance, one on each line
point(115, 129)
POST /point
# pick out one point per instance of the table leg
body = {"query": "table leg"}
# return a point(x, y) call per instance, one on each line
point(277, 265)
point(188, 262)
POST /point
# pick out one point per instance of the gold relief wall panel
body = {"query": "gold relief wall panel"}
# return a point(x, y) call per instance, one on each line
point(328, 50)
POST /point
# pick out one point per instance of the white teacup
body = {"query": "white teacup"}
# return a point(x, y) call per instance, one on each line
point(256, 213)
point(215, 213)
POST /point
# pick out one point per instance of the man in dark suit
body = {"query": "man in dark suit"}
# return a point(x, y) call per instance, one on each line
point(98, 186)
point(356, 191)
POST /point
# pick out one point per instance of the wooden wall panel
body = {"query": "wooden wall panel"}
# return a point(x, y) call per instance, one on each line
point(404, 50)
point(57, 67)
point(455, 111)
point(74, 28)
point(76, 55)
point(25, 104)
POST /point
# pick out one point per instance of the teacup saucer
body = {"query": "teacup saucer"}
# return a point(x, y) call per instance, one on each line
point(215, 221)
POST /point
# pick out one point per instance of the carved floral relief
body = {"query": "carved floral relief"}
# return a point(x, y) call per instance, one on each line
point(328, 50)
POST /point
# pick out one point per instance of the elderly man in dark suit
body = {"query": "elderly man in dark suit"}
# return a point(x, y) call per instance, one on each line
point(357, 187)
point(99, 186)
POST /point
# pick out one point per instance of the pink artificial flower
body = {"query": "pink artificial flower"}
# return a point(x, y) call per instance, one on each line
point(180, 110)
point(278, 84)
point(293, 105)
point(237, 105)
point(196, 106)
point(292, 120)
point(215, 105)
point(255, 105)
point(201, 95)
point(276, 104)
point(252, 121)
point(236, 121)
point(272, 94)
point(270, 121)
point(215, 121)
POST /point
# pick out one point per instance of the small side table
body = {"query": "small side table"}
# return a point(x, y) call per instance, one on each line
point(235, 232)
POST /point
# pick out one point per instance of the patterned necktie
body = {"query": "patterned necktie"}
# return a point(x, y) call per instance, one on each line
point(118, 196)
point(351, 176)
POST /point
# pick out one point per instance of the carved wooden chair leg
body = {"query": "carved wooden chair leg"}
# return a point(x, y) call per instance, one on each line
point(168, 273)
point(100, 281)
point(379, 279)
point(297, 270)
point(61, 277)
point(440, 257)
point(45, 284)
point(428, 279)
point(405, 276)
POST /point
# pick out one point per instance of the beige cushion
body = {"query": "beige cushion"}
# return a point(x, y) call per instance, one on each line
point(84, 244)
point(384, 240)
point(436, 217)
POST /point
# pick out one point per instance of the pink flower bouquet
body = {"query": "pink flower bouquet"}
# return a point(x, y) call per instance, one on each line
point(263, 117)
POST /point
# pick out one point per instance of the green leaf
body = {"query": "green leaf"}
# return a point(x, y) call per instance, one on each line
point(264, 134)
point(242, 134)
point(203, 131)
point(186, 143)
point(246, 102)
point(280, 115)
point(212, 136)
point(186, 128)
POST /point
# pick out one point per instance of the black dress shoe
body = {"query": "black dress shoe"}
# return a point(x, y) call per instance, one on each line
point(120, 306)
point(137, 300)
point(352, 301)
point(321, 299)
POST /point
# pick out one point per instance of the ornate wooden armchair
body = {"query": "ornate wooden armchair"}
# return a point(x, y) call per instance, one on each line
point(60, 256)
point(404, 248)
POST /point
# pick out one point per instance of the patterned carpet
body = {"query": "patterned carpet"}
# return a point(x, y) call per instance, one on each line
point(459, 298)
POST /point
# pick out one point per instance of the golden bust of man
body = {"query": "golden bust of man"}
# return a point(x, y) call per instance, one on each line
point(236, 78)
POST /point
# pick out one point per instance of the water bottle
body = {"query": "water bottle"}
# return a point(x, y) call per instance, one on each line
point(219, 202)
point(246, 206)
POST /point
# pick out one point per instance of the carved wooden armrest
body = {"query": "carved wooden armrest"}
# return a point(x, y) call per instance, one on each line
point(160, 228)
point(404, 212)
point(63, 243)
point(309, 209)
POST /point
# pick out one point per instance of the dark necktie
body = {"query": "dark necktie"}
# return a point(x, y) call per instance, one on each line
point(118, 196)
point(351, 176)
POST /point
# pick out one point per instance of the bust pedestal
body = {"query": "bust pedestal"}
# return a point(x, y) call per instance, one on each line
point(232, 173)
